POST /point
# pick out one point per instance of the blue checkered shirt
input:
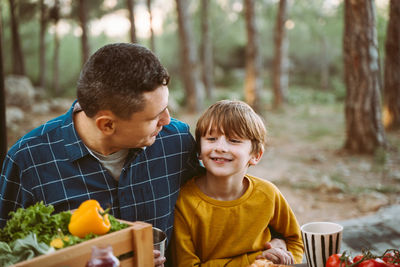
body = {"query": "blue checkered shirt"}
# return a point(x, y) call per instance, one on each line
point(51, 164)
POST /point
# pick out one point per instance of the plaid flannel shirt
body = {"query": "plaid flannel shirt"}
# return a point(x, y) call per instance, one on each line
point(51, 164)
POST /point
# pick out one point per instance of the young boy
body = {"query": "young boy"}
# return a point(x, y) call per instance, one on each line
point(225, 217)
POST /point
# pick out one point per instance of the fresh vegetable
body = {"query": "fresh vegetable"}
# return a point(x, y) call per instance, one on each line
point(372, 263)
point(42, 231)
point(22, 249)
point(48, 229)
point(358, 259)
point(39, 220)
point(36, 219)
point(115, 224)
point(338, 260)
point(89, 218)
point(391, 258)
point(58, 241)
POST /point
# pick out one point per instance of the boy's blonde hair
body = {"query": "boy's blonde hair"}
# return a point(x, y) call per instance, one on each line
point(234, 119)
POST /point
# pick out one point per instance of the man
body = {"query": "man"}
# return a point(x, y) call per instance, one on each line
point(117, 144)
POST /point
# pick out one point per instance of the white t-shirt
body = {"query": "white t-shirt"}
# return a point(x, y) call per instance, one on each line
point(113, 162)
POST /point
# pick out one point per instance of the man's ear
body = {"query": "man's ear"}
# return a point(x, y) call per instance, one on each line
point(256, 157)
point(105, 124)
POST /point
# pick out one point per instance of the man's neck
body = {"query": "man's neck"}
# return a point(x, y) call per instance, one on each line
point(90, 134)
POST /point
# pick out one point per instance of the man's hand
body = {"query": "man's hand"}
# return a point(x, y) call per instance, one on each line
point(158, 259)
point(276, 251)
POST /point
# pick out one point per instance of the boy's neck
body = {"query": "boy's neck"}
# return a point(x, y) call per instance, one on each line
point(223, 188)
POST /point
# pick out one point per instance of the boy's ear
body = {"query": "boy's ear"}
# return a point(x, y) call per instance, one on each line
point(105, 124)
point(255, 158)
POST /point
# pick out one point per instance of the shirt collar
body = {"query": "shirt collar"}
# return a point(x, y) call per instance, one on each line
point(74, 146)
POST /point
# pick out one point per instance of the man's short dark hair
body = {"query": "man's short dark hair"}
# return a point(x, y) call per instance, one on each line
point(115, 78)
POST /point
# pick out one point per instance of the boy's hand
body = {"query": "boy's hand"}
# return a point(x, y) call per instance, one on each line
point(158, 259)
point(276, 251)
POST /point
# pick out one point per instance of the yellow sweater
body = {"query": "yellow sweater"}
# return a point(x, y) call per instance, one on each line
point(209, 232)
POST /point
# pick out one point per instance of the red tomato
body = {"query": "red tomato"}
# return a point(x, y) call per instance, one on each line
point(334, 261)
point(357, 258)
point(389, 257)
point(372, 263)
point(391, 260)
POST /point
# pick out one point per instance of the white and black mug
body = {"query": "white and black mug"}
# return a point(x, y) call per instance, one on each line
point(321, 239)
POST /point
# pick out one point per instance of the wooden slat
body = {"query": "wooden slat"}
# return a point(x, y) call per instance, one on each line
point(137, 238)
point(142, 245)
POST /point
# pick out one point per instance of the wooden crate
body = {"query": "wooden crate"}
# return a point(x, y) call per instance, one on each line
point(137, 238)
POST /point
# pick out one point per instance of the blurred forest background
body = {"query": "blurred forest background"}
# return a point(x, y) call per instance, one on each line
point(324, 74)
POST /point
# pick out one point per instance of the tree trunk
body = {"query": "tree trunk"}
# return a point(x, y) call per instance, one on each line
point(56, 17)
point(191, 81)
point(83, 23)
point(391, 91)
point(130, 4)
point(56, 86)
point(207, 51)
point(364, 128)
point(3, 126)
point(253, 80)
point(17, 55)
point(42, 45)
point(280, 78)
point(152, 42)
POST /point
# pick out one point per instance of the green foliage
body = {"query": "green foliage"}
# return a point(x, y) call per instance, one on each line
point(95, 9)
point(381, 156)
point(315, 43)
point(229, 38)
point(25, 10)
point(339, 88)
point(318, 131)
point(169, 53)
point(299, 95)
point(37, 219)
point(71, 62)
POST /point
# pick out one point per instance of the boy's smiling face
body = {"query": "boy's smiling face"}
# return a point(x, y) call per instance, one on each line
point(225, 157)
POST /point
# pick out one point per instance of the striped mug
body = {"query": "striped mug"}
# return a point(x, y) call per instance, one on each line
point(321, 239)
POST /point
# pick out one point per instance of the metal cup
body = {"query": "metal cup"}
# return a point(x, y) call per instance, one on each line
point(159, 240)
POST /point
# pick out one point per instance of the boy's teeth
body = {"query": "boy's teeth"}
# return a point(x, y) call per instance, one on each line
point(220, 159)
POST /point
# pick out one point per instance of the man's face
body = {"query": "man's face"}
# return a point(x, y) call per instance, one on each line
point(142, 127)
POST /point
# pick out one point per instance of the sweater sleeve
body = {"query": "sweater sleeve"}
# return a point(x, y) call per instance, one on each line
point(285, 223)
point(183, 250)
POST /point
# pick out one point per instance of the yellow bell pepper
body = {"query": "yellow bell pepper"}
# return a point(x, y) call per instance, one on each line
point(89, 218)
